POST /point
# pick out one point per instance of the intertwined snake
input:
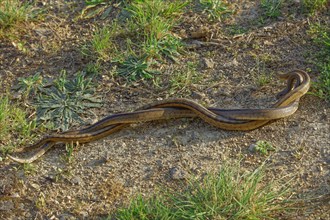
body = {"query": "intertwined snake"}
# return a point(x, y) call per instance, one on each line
point(298, 83)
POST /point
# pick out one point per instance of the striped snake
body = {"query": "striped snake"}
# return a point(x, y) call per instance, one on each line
point(298, 83)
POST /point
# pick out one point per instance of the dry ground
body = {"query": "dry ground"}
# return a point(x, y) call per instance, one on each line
point(104, 174)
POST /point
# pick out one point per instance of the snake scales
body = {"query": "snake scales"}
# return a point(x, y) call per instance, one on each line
point(298, 83)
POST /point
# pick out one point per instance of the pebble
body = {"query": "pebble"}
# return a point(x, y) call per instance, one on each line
point(177, 173)
point(207, 63)
point(35, 186)
point(76, 180)
point(231, 63)
point(196, 95)
point(252, 148)
point(6, 205)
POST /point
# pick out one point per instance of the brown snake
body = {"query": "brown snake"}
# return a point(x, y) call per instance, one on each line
point(298, 83)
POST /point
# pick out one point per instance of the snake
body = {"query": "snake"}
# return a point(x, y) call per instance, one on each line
point(298, 83)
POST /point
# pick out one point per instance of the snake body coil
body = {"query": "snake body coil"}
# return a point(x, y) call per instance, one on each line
point(298, 83)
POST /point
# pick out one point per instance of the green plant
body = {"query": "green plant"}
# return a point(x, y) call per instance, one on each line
point(30, 85)
point(260, 73)
point(29, 168)
point(167, 47)
point(228, 194)
point(313, 6)
point(15, 128)
point(66, 101)
point(321, 35)
point(236, 29)
point(263, 147)
point(102, 42)
point(151, 21)
point(264, 78)
point(92, 70)
point(69, 151)
point(272, 8)
point(182, 80)
point(96, 7)
point(40, 202)
point(322, 85)
point(135, 68)
point(215, 9)
point(13, 12)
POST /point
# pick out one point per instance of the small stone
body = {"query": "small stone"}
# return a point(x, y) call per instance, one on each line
point(43, 32)
point(35, 186)
point(196, 95)
point(177, 173)
point(66, 217)
point(252, 148)
point(224, 92)
point(208, 63)
point(84, 214)
point(76, 180)
point(231, 63)
point(15, 195)
point(6, 205)
point(28, 215)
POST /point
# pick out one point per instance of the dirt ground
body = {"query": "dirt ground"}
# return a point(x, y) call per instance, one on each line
point(104, 174)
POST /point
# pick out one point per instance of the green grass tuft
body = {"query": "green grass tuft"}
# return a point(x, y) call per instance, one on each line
point(321, 35)
point(13, 12)
point(102, 42)
point(228, 194)
point(151, 21)
point(271, 8)
point(313, 6)
point(263, 147)
point(15, 128)
point(183, 80)
point(215, 9)
point(322, 85)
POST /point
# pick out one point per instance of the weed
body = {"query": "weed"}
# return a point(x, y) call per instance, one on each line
point(263, 79)
point(216, 9)
point(21, 46)
point(167, 47)
point(13, 12)
point(69, 151)
point(183, 79)
point(236, 29)
point(102, 43)
point(271, 8)
point(322, 85)
point(61, 174)
point(321, 35)
point(30, 85)
point(92, 70)
point(95, 8)
point(228, 194)
point(263, 147)
point(29, 168)
point(260, 75)
point(312, 6)
point(135, 68)
point(40, 202)
point(65, 102)
point(151, 22)
point(14, 124)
